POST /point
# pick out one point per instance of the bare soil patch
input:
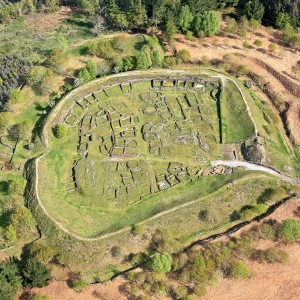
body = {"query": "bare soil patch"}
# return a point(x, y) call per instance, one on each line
point(43, 22)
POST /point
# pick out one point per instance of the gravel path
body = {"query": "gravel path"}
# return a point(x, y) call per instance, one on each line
point(250, 166)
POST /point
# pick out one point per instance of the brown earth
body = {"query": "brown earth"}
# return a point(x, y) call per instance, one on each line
point(272, 281)
point(42, 22)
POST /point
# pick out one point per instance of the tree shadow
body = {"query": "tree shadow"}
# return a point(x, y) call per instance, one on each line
point(38, 106)
point(26, 296)
point(124, 290)
point(265, 196)
point(296, 212)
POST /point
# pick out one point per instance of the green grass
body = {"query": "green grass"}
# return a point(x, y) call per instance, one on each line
point(236, 123)
point(82, 212)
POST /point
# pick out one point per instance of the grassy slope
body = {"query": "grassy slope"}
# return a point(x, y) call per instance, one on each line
point(236, 123)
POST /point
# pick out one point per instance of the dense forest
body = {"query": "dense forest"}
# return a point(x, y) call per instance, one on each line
point(123, 14)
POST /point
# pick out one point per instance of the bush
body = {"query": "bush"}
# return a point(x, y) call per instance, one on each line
point(246, 44)
point(189, 36)
point(102, 48)
point(60, 131)
point(200, 290)
point(289, 231)
point(170, 62)
point(138, 229)
point(258, 43)
point(267, 232)
point(16, 96)
point(184, 55)
point(181, 292)
point(270, 255)
point(40, 297)
point(119, 42)
point(79, 285)
point(161, 262)
point(239, 270)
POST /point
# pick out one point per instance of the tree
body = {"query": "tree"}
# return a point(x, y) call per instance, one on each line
point(185, 18)
point(184, 55)
point(254, 10)
point(41, 252)
point(294, 42)
point(161, 262)
point(10, 233)
point(60, 131)
point(144, 58)
point(92, 69)
point(22, 219)
point(282, 20)
point(50, 85)
point(156, 58)
point(16, 186)
point(208, 23)
point(136, 14)
point(38, 74)
point(58, 61)
point(289, 230)
point(10, 280)
point(36, 274)
point(79, 285)
point(25, 130)
point(5, 120)
point(129, 63)
point(16, 96)
point(239, 270)
point(171, 30)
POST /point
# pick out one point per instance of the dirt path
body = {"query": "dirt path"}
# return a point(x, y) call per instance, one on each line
point(254, 167)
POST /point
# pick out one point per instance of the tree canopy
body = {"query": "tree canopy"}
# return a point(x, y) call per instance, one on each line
point(161, 262)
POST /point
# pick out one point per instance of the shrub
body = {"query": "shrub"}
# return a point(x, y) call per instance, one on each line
point(60, 131)
point(272, 47)
point(289, 230)
point(40, 297)
point(283, 256)
point(267, 232)
point(170, 62)
point(79, 285)
point(184, 55)
point(181, 292)
point(239, 270)
point(102, 48)
point(189, 36)
point(16, 96)
point(161, 262)
point(138, 229)
point(258, 43)
point(246, 44)
point(16, 186)
point(205, 60)
point(200, 290)
point(270, 255)
point(119, 42)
